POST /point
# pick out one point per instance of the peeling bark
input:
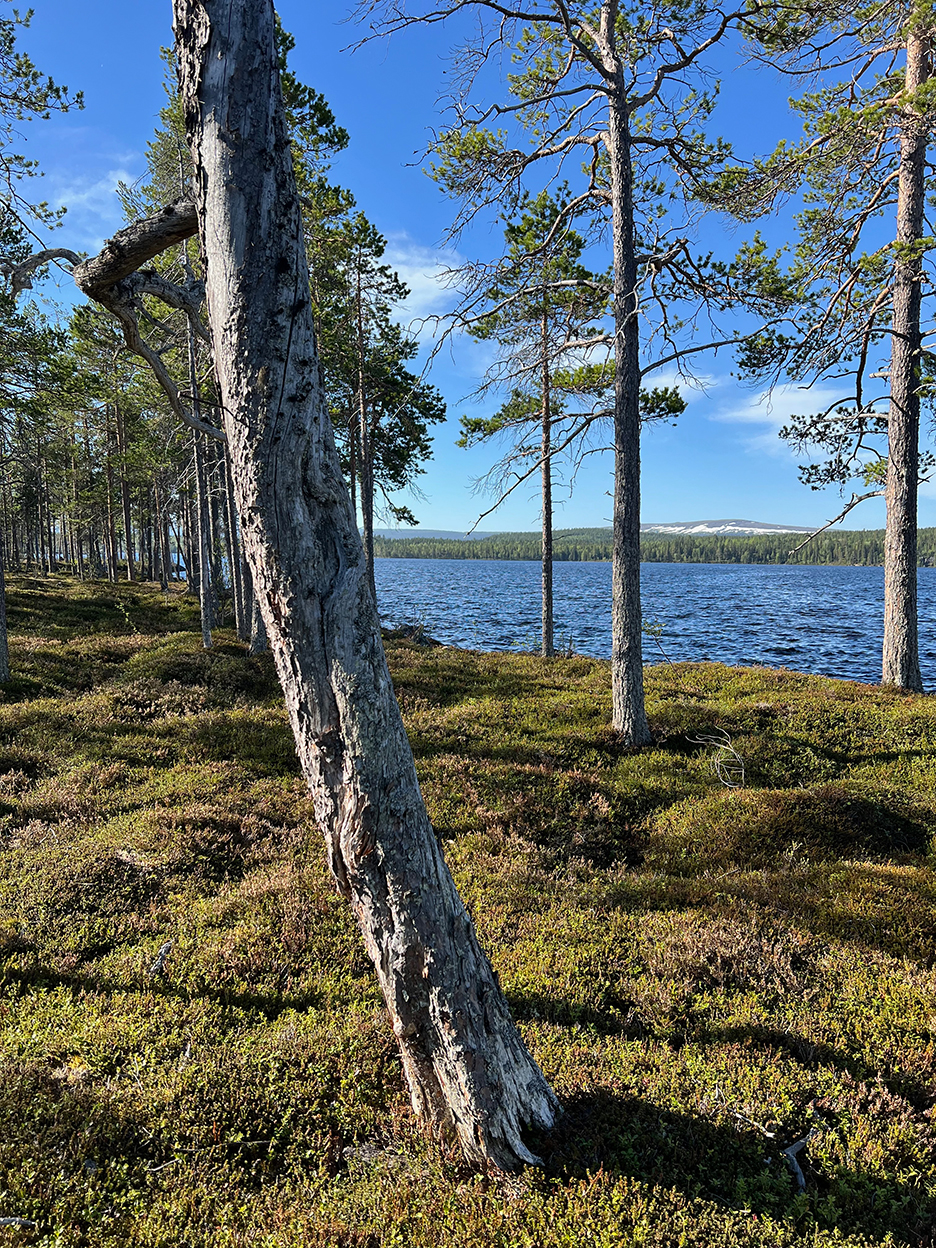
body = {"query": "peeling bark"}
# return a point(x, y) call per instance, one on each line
point(465, 1062)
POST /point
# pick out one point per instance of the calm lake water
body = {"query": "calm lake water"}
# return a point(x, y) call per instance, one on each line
point(813, 619)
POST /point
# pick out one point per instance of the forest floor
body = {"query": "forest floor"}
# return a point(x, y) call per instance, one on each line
point(707, 975)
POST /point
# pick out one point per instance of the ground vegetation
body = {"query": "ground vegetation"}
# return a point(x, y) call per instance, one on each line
point(707, 975)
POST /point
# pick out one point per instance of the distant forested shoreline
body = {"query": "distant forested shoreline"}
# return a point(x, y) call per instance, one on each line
point(860, 547)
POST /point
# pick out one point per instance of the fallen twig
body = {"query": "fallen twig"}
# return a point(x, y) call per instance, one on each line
point(26, 1223)
point(789, 1155)
point(160, 964)
point(726, 762)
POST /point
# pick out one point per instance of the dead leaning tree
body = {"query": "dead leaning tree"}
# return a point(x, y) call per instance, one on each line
point(466, 1064)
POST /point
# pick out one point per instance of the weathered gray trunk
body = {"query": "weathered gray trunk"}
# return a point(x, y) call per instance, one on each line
point(466, 1064)
point(901, 664)
point(205, 579)
point(235, 561)
point(630, 718)
point(366, 444)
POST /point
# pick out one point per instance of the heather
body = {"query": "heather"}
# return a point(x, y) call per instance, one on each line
point(715, 946)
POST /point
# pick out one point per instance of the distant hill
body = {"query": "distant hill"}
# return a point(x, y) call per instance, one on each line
point(693, 528)
point(722, 528)
point(694, 544)
point(450, 535)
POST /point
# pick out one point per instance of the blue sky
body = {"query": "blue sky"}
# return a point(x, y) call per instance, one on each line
point(724, 458)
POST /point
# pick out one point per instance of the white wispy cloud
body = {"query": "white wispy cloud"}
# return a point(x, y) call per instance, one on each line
point(93, 208)
point(425, 270)
point(766, 414)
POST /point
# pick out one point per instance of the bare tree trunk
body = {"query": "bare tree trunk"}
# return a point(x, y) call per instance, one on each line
point(630, 717)
point(162, 536)
point(258, 635)
point(4, 644)
point(901, 664)
point(205, 592)
point(40, 518)
point(125, 490)
point(241, 617)
point(191, 552)
point(352, 463)
point(548, 646)
point(466, 1064)
point(111, 535)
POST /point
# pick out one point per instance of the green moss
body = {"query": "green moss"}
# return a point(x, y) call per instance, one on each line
point(705, 974)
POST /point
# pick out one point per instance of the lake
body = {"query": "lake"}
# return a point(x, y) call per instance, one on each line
point(813, 619)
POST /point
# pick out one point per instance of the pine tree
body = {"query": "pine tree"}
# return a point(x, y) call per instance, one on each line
point(540, 304)
point(619, 89)
point(862, 269)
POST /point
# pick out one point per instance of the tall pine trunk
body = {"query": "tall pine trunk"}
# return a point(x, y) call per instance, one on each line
point(4, 644)
point(901, 664)
point(548, 646)
point(125, 490)
point(630, 718)
point(466, 1065)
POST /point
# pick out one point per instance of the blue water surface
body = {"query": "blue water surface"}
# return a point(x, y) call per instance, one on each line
point(812, 619)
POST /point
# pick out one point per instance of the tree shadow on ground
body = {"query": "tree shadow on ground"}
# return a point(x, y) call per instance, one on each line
point(269, 1005)
point(38, 606)
point(731, 1164)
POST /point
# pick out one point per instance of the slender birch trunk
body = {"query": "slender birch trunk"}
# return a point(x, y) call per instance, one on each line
point(465, 1062)
point(901, 664)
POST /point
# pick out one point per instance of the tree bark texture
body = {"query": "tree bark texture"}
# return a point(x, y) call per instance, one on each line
point(4, 644)
point(901, 664)
point(125, 491)
point(548, 640)
point(629, 714)
point(366, 442)
point(205, 587)
point(466, 1065)
point(133, 246)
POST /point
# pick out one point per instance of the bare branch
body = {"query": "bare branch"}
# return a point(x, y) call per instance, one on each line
point(855, 500)
point(21, 274)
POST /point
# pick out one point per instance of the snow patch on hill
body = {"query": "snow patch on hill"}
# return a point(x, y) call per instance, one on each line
point(722, 528)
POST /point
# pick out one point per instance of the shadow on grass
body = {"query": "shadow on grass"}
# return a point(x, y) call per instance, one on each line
point(817, 1056)
point(66, 608)
point(268, 1005)
point(730, 1164)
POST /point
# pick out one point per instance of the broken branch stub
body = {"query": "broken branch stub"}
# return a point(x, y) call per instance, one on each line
point(133, 246)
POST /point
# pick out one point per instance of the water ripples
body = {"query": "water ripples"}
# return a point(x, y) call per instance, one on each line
point(814, 619)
